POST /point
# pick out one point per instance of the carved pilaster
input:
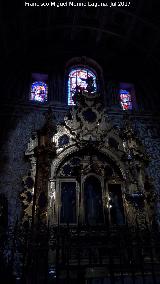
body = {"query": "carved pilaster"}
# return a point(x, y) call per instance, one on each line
point(44, 153)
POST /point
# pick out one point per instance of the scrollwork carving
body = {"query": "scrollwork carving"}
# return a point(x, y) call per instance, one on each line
point(27, 196)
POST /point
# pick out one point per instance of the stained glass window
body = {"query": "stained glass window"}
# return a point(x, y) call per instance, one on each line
point(78, 79)
point(39, 91)
point(125, 99)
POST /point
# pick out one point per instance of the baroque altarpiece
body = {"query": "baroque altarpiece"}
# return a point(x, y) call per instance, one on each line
point(87, 178)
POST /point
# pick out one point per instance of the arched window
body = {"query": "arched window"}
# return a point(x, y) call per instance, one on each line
point(77, 78)
point(127, 96)
point(125, 99)
point(39, 91)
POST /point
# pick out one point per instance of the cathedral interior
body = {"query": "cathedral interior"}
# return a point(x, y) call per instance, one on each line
point(80, 143)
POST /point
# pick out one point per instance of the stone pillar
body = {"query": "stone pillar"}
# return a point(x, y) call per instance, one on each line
point(44, 153)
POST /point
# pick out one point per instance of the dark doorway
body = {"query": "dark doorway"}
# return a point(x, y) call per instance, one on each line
point(68, 202)
point(93, 201)
point(116, 204)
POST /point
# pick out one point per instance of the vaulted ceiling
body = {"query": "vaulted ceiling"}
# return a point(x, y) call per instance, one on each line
point(124, 41)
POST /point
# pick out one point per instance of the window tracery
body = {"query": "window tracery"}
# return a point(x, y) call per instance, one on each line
point(79, 79)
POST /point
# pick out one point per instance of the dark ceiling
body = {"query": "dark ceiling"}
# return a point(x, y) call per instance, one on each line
point(124, 41)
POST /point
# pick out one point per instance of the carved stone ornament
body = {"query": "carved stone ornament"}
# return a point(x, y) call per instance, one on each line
point(27, 196)
point(86, 133)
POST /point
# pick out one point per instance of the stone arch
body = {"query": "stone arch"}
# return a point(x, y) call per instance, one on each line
point(74, 149)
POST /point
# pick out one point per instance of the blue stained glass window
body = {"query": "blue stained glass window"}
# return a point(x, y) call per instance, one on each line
point(39, 92)
point(125, 99)
point(78, 78)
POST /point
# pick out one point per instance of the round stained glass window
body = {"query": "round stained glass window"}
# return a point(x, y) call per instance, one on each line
point(89, 115)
